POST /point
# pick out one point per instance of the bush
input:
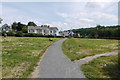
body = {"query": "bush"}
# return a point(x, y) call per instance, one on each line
point(2, 33)
point(11, 33)
point(32, 35)
point(36, 35)
point(48, 35)
point(19, 34)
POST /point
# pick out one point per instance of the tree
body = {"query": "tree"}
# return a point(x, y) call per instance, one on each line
point(1, 20)
point(17, 26)
point(24, 29)
point(14, 26)
point(45, 26)
point(31, 24)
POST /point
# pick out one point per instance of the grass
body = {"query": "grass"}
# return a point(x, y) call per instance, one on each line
point(102, 67)
point(76, 48)
point(21, 54)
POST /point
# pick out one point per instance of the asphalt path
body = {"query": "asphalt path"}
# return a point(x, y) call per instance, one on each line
point(55, 64)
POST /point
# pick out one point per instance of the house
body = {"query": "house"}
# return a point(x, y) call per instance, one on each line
point(66, 33)
point(43, 30)
point(6, 28)
point(53, 31)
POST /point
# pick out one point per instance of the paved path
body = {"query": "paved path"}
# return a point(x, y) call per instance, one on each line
point(87, 59)
point(56, 65)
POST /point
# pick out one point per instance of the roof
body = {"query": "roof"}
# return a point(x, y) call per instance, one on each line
point(53, 28)
point(34, 27)
point(44, 28)
point(37, 27)
point(5, 25)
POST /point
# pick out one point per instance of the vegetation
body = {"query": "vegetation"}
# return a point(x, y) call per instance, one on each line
point(21, 54)
point(31, 24)
point(19, 27)
point(102, 67)
point(110, 32)
point(21, 34)
point(76, 48)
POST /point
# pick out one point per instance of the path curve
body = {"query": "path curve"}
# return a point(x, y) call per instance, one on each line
point(56, 65)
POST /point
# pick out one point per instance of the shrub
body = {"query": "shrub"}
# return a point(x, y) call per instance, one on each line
point(19, 34)
point(48, 35)
point(11, 33)
point(32, 35)
point(2, 33)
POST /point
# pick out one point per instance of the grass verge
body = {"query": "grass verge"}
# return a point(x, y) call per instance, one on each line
point(102, 67)
point(76, 48)
point(21, 54)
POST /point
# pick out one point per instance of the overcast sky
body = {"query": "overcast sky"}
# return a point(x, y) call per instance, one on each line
point(64, 15)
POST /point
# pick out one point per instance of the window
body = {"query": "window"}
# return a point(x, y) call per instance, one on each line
point(54, 31)
point(32, 30)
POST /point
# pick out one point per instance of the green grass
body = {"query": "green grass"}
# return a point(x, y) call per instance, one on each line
point(76, 48)
point(21, 54)
point(102, 67)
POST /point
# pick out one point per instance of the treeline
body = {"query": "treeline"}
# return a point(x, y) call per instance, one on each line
point(108, 32)
point(18, 26)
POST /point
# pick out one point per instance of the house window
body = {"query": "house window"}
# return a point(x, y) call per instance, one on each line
point(40, 31)
point(44, 31)
point(54, 31)
point(32, 30)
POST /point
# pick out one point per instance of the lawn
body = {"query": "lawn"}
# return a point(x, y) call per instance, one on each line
point(21, 54)
point(102, 67)
point(76, 48)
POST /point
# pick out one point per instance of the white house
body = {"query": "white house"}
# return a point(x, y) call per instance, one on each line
point(43, 30)
point(53, 31)
point(66, 33)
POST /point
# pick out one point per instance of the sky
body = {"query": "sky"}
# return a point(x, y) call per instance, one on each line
point(64, 15)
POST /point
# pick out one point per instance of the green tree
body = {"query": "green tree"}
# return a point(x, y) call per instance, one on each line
point(24, 29)
point(17, 26)
point(14, 26)
point(31, 24)
point(45, 26)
